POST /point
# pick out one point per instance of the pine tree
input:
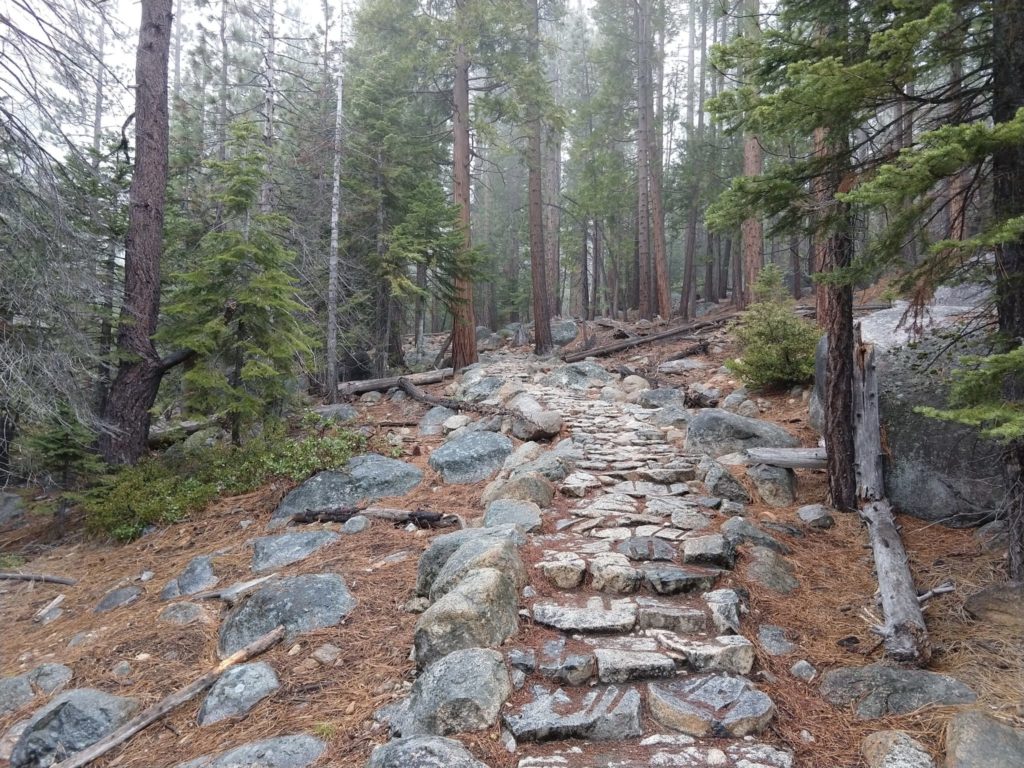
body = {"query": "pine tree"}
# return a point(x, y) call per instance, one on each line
point(237, 308)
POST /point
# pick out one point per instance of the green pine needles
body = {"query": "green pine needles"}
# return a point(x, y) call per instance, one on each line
point(776, 346)
point(237, 307)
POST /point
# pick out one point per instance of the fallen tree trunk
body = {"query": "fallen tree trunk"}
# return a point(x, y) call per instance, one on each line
point(378, 385)
point(152, 714)
point(791, 458)
point(700, 348)
point(44, 577)
point(422, 518)
point(905, 635)
point(407, 385)
point(618, 346)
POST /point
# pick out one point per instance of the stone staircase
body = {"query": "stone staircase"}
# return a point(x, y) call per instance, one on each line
point(642, 659)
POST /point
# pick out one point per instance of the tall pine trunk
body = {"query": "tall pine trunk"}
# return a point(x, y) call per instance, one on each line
point(333, 276)
point(463, 325)
point(538, 268)
point(134, 390)
point(753, 166)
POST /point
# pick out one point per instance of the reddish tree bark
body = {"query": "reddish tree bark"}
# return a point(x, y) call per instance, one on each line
point(463, 325)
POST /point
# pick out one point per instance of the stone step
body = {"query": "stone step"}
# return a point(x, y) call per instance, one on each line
point(663, 750)
point(602, 713)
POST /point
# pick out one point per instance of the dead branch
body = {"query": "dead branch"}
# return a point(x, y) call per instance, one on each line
point(235, 592)
point(167, 704)
point(41, 613)
point(618, 346)
point(407, 385)
point(44, 577)
point(792, 458)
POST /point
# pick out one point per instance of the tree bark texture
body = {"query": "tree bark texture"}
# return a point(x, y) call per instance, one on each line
point(542, 342)
point(463, 325)
point(643, 149)
point(134, 389)
point(333, 277)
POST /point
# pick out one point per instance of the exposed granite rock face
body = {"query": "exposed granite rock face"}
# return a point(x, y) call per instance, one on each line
point(717, 432)
point(237, 691)
point(471, 456)
point(270, 552)
point(894, 749)
point(975, 740)
point(296, 751)
point(714, 706)
point(423, 752)
point(197, 576)
point(605, 714)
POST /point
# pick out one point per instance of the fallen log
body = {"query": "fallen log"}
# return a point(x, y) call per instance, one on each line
point(905, 635)
point(791, 458)
point(149, 716)
point(235, 592)
point(43, 577)
point(378, 385)
point(700, 348)
point(618, 346)
point(407, 385)
point(55, 603)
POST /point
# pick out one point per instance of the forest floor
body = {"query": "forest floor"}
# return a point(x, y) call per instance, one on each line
point(829, 616)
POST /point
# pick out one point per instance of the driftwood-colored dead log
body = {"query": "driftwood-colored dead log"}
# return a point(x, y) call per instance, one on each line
point(618, 346)
point(791, 458)
point(169, 703)
point(407, 385)
point(43, 577)
point(379, 385)
point(905, 635)
point(700, 348)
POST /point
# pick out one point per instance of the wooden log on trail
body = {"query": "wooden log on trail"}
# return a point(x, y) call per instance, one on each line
point(169, 703)
point(700, 348)
point(43, 577)
point(421, 518)
point(407, 385)
point(905, 635)
point(791, 458)
point(378, 385)
point(618, 346)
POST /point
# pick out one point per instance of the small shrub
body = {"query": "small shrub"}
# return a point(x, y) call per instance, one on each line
point(163, 490)
point(776, 346)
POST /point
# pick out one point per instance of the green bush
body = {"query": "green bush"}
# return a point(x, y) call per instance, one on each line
point(166, 490)
point(776, 346)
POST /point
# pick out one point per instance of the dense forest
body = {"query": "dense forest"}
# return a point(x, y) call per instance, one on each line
point(276, 198)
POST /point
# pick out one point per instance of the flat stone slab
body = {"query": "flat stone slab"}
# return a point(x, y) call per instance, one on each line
point(610, 504)
point(270, 552)
point(712, 549)
point(423, 752)
point(525, 515)
point(715, 706)
point(664, 751)
point(895, 749)
point(619, 666)
point(237, 691)
point(597, 615)
point(364, 478)
point(773, 641)
point(471, 457)
point(601, 714)
point(300, 604)
point(647, 548)
point(876, 691)
point(673, 579)
point(196, 577)
point(726, 653)
point(641, 489)
point(183, 614)
point(563, 569)
point(16, 692)
point(656, 613)
point(118, 598)
point(296, 751)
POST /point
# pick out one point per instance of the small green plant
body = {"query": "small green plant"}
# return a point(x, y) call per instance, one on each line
point(325, 730)
point(166, 490)
point(11, 561)
point(776, 346)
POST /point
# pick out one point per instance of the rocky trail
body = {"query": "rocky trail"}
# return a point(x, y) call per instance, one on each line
point(610, 603)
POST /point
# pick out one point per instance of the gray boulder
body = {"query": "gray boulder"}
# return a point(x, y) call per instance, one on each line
point(481, 388)
point(816, 516)
point(270, 552)
point(484, 552)
point(296, 751)
point(118, 598)
point(471, 457)
point(237, 691)
point(300, 604)
point(563, 331)
point(525, 515)
point(1000, 605)
point(660, 398)
point(16, 692)
point(775, 485)
point(182, 614)
point(530, 486)
point(771, 570)
point(462, 692)
point(934, 470)
point(197, 576)
point(70, 723)
point(531, 421)
point(740, 530)
point(608, 713)
point(710, 706)
point(433, 420)
point(443, 547)
point(876, 691)
point(550, 465)
point(480, 611)
point(717, 432)
point(340, 413)
point(364, 478)
point(579, 376)
point(423, 752)
point(975, 740)
point(720, 482)
point(894, 749)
